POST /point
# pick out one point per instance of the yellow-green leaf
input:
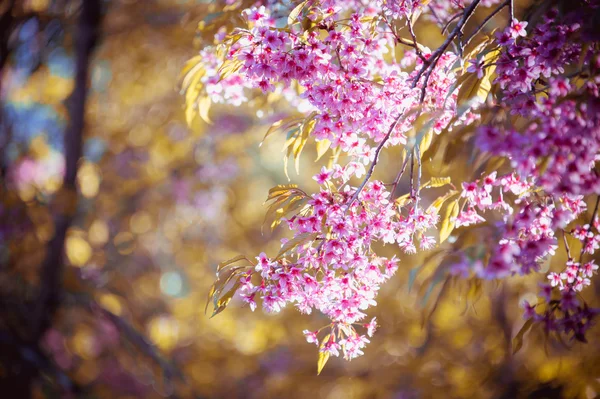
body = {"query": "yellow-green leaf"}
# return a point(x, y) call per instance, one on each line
point(204, 104)
point(300, 239)
point(211, 293)
point(517, 342)
point(296, 12)
point(403, 200)
point(473, 87)
point(439, 182)
point(225, 299)
point(449, 220)
point(229, 67)
point(437, 204)
point(280, 190)
point(235, 259)
point(281, 124)
point(323, 358)
point(322, 147)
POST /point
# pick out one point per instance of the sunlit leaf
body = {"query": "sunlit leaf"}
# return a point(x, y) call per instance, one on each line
point(323, 355)
point(292, 18)
point(225, 299)
point(439, 182)
point(322, 147)
point(204, 104)
point(473, 87)
point(449, 220)
point(300, 239)
point(280, 190)
point(229, 67)
point(439, 202)
point(517, 342)
point(238, 258)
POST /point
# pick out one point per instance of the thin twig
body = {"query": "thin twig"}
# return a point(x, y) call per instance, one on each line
point(567, 248)
point(412, 174)
point(485, 21)
point(415, 43)
point(437, 18)
point(375, 160)
point(447, 25)
point(399, 176)
point(437, 53)
point(417, 153)
point(511, 8)
point(432, 62)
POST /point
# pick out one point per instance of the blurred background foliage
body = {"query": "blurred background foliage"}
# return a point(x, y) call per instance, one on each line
point(160, 204)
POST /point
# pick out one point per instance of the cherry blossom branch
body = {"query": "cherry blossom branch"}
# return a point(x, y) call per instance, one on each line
point(417, 153)
point(485, 21)
point(412, 174)
point(452, 19)
point(375, 160)
point(567, 248)
point(432, 62)
point(511, 8)
point(414, 44)
point(399, 176)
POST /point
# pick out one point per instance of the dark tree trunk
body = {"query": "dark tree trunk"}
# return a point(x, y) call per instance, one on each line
point(21, 359)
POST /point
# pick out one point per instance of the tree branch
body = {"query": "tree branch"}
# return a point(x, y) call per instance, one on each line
point(432, 62)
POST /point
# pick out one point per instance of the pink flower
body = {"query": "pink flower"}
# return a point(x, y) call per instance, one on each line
point(517, 28)
point(589, 269)
point(476, 66)
point(371, 327)
point(555, 280)
point(311, 337)
point(323, 176)
point(331, 347)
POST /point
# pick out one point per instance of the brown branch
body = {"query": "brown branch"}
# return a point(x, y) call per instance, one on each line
point(399, 176)
point(567, 248)
point(417, 152)
point(452, 19)
point(375, 160)
point(437, 53)
point(432, 62)
point(86, 37)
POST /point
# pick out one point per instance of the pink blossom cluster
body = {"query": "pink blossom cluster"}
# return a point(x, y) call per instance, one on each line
point(229, 90)
point(527, 225)
point(527, 230)
point(561, 144)
point(589, 239)
point(355, 94)
point(565, 313)
point(336, 271)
